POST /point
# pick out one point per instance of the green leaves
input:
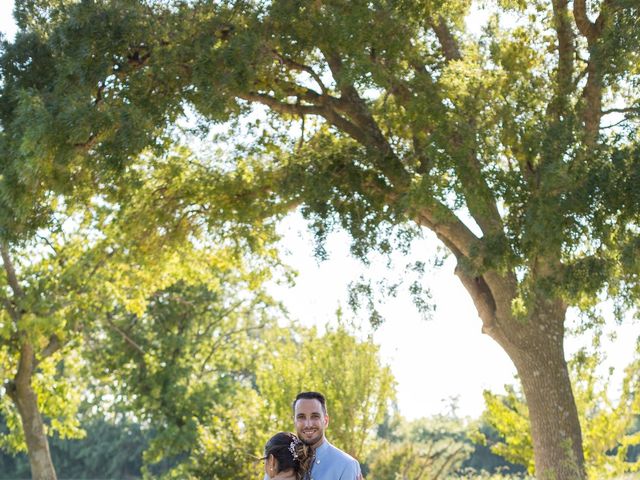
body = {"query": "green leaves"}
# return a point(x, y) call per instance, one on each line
point(348, 371)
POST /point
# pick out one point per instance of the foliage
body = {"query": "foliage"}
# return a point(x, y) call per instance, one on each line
point(98, 261)
point(230, 443)
point(420, 88)
point(348, 371)
point(186, 364)
point(491, 476)
point(207, 366)
point(110, 449)
point(606, 425)
point(431, 448)
point(483, 459)
point(93, 259)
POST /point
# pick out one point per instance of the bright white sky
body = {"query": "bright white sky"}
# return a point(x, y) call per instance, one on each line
point(433, 360)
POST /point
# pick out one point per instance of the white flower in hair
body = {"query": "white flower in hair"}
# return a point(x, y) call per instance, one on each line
point(292, 448)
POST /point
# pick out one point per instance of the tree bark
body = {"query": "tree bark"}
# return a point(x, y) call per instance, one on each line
point(26, 401)
point(555, 426)
point(536, 347)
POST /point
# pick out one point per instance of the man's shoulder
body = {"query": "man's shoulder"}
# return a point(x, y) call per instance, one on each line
point(336, 453)
point(336, 464)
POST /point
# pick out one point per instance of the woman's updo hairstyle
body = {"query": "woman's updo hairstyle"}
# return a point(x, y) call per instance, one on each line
point(290, 452)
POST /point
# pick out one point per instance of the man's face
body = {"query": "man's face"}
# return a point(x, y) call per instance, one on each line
point(310, 421)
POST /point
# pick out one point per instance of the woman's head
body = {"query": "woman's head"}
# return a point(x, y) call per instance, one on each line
point(283, 452)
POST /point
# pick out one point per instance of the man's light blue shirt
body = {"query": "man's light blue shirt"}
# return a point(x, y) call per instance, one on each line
point(331, 463)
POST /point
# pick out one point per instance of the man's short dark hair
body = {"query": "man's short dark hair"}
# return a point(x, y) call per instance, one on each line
point(310, 396)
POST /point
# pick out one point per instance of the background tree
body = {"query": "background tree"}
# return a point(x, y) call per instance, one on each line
point(187, 364)
point(208, 367)
point(89, 259)
point(433, 448)
point(500, 143)
point(348, 371)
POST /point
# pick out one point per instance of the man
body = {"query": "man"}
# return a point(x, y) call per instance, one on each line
point(311, 420)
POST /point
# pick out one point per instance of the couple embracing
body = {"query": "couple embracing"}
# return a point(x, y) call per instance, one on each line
point(308, 456)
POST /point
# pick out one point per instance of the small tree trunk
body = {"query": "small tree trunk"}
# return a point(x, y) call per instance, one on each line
point(26, 401)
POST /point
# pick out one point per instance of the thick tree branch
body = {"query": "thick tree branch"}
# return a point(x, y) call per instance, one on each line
point(481, 296)
point(308, 95)
point(449, 229)
point(621, 110)
point(404, 94)
point(295, 66)
point(281, 107)
point(585, 26)
point(564, 75)
point(26, 365)
point(590, 30)
point(353, 106)
point(480, 200)
point(479, 197)
point(53, 346)
point(592, 93)
point(447, 41)
point(11, 272)
point(504, 288)
point(486, 288)
point(592, 108)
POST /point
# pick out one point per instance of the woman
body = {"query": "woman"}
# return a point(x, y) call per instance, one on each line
point(286, 457)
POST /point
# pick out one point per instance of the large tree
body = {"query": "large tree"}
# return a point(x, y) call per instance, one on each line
point(516, 146)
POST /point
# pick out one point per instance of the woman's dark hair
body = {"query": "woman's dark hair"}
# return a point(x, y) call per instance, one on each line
point(290, 452)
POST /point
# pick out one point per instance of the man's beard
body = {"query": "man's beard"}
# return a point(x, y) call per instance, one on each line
point(310, 441)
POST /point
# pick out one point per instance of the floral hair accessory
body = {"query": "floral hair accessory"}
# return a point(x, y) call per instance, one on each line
point(292, 447)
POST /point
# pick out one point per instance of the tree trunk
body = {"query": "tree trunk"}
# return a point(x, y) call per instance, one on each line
point(536, 347)
point(26, 401)
point(555, 426)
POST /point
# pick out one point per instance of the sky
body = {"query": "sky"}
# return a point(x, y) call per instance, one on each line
point(433, 360)
point(438, 362)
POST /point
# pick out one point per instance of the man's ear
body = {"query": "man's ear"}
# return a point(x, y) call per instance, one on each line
point(326, 420)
